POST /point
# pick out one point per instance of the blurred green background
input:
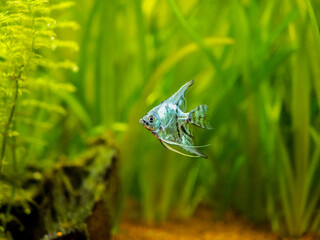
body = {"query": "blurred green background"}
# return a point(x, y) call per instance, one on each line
point(255, 63)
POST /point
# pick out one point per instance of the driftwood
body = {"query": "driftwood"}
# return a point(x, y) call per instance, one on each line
point(73, 200)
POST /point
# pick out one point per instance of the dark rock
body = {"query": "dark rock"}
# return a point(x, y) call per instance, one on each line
point(73, 200)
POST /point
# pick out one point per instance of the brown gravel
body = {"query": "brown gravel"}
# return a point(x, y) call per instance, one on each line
point(199, 227)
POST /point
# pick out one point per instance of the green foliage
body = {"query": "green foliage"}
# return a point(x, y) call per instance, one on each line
point(26, 89)
point(254, 63)
point(29, 94)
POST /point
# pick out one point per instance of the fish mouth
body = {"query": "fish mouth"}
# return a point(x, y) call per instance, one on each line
point(145, 124)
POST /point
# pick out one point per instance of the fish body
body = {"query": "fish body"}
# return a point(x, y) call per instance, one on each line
point(170, 124)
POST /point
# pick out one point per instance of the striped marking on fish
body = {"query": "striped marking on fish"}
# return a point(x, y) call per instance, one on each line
point(177, 125)
point(185, 131)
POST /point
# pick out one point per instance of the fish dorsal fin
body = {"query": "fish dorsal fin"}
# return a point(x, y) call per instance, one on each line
point(182, 104)
point(176, 151)
point(178, 98)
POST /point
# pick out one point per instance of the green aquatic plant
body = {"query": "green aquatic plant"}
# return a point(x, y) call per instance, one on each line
point(276, 100)
point(27, 30)
point(300, 193)
point(29, 92)
point(256, 65)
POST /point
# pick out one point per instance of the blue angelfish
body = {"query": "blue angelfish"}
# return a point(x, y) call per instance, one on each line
point(169, 123)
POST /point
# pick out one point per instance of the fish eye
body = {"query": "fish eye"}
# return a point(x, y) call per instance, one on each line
point(151, 118)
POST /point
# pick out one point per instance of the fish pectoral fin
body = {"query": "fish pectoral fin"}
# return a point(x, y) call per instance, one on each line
point(167, 146)
point(170, 122)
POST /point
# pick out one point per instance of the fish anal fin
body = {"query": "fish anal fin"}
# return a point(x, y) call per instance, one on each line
point(167, 146)
point(182, 145)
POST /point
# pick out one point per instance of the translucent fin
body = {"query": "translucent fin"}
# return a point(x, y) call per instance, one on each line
point(198, 117)
point(182, 105)
point(178, 97)
point(176, 151)
point(183, 145)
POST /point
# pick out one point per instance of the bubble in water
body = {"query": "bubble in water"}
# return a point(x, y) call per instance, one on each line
point(52, 38)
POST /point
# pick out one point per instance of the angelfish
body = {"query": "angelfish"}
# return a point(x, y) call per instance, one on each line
point(170, 124)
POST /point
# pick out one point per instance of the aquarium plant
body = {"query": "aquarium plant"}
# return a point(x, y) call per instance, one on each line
point(255, 65)
point(29, 92)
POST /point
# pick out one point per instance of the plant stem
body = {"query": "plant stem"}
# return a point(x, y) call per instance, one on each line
point(5, 134)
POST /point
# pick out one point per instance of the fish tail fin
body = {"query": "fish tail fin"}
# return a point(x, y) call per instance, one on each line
point(198, 117)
